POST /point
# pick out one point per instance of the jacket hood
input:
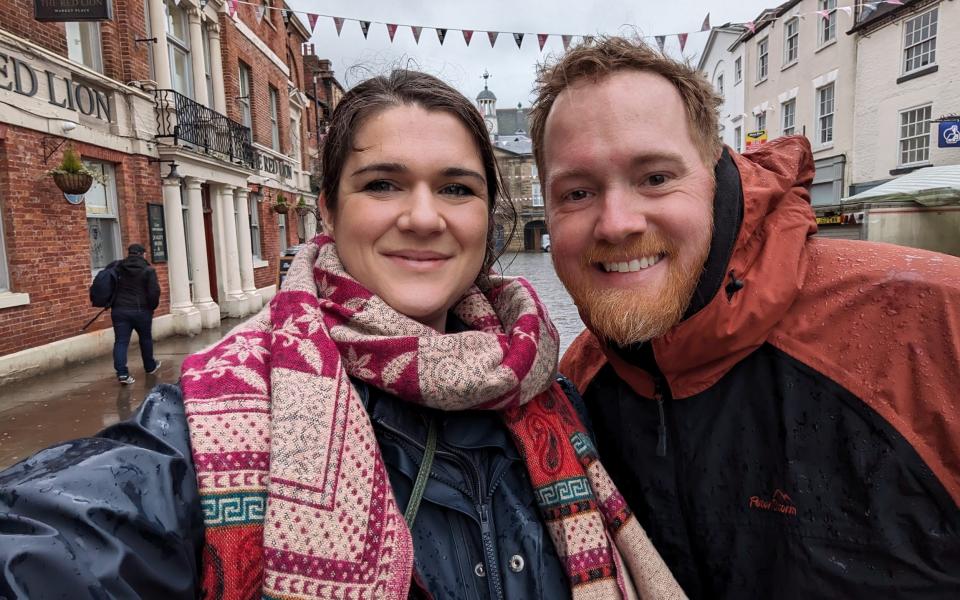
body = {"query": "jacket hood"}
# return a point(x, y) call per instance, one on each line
point(134, 264)
point(746, 287)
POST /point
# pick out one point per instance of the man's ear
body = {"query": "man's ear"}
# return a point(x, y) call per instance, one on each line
point(325, 215)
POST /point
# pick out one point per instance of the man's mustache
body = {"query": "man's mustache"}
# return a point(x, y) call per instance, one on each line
point(648, 244)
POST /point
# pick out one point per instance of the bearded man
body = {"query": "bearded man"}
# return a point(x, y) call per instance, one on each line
point(779, 410)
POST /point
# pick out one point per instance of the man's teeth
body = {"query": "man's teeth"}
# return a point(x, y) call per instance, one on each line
point(633, 265)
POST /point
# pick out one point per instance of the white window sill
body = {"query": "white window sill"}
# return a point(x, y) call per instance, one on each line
point(789, 64)
point(259, 263)
point(11, 299)
point(827, 146)
point(826, 45)
point(759, 81)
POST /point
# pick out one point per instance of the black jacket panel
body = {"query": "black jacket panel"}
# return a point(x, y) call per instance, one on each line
point(779, 483)
point(112, 516)
point(138, 286)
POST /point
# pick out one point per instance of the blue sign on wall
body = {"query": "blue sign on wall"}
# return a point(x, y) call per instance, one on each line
point(949, 134)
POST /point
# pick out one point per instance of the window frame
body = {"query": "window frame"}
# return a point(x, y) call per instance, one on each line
point(179, 46)
point(282, 233)
point(822, 116)
point(928, 109)
point(85, 31)
point(826, 27)
point(5, 285)
point(720, 89)
point(737, 70)
point(791, 41)
point(274, 118)
point(245, 84)
point(763, 59)
point(933, 25)
point(112, 209)
point(760, 121)
point(253, 211)
point(738, 138)
point(788, 108)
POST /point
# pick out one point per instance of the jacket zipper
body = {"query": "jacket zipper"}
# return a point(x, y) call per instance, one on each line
point(659, 386)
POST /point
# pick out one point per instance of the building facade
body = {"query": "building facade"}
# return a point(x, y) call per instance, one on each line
point(198, 122)
point(722, 63)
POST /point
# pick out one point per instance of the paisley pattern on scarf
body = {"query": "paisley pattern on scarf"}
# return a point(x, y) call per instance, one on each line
point(296, 498)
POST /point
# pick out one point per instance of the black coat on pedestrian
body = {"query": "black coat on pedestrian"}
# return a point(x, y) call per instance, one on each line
point(138, 287)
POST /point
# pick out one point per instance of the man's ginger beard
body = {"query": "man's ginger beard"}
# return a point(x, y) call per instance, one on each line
point(629, 316)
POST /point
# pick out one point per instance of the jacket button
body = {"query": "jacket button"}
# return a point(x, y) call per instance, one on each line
point(479, 571)
point(516, 563)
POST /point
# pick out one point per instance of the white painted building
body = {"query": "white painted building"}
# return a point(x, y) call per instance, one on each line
point(722, 63)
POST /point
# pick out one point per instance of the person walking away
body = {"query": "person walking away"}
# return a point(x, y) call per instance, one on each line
point(137, 296)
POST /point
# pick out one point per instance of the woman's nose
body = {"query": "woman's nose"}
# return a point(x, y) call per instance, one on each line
point(422, 214)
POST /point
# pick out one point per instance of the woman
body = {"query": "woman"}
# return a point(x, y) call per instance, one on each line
point(337, 438)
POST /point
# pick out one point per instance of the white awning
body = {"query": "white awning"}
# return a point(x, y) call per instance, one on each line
point(930, 186)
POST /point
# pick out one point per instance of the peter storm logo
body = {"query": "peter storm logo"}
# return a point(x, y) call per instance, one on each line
point(780, 503)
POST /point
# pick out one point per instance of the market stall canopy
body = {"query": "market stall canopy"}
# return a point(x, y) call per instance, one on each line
point(930, 186)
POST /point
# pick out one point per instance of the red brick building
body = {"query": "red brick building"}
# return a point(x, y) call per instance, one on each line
point(163, 88)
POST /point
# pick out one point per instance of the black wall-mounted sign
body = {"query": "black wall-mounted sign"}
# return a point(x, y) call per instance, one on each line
point(158, 233)
point(72, 10)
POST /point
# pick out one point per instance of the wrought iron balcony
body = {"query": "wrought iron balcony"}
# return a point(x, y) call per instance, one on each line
point(194, 125)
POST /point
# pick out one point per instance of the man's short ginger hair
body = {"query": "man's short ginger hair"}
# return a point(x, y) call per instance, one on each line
point(603, 56)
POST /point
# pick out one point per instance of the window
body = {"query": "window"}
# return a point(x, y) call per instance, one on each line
point(537, 195)
point(208, 74)
point(83, 44)
point(4, 273)
point(185, 215)
point(825, 114)
point(103, 223)
point(738, 139)
point(920, 41)
point(791, 41)
point(761, 122)
point(762, 59)
point(720, 85)
point(915, 135)
point(244, 98)
point(789, 110)
point(827, 25)
point(282, 223)
point(253, 208)
point(274, 119)
point(178, 43)
point(737, 70)
point(149, 29)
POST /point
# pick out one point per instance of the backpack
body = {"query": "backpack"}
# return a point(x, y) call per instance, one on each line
point(104, 286)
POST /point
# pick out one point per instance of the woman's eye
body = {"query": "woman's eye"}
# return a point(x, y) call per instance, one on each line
point(379, 185)
point(457, 189)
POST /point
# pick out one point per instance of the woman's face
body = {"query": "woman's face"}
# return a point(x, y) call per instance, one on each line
point(411, 218)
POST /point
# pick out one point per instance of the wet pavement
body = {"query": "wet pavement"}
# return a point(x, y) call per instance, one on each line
point(84, 398)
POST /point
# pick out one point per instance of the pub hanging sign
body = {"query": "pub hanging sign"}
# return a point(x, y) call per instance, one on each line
point(72, 10)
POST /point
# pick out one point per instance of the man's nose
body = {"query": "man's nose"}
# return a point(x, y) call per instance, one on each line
point(621, 215)
point(422, 215)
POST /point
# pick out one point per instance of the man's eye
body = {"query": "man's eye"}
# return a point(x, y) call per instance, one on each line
point(576, 195)
point(457, 189)
point(379, 185)
point(657, 179)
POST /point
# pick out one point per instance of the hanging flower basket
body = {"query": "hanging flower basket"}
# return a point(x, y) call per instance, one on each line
point(73, 183)
point(281, 208)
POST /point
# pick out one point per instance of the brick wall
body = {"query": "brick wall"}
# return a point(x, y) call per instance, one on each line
point(47, 243)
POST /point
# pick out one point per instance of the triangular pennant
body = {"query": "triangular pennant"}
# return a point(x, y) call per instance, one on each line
point(898, 2)
point(313, 21)
point(416, 33)
point(492, 36)
point(706, 23)
point(683, 41)
point(260, 11)
point(752, 26)
point(176, 2)
point(824, 13)
point(338, 21)
point(365, 28)
point(518, 38)
point(467, 35)
point(441, 35)
point(391, 30)
point(846, 9)
point(588, 39)
point(542, 39)
point(566, 41)
point(661, 40)
point(233, 8)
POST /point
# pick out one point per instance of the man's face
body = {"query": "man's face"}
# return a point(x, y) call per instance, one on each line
point(629, 203)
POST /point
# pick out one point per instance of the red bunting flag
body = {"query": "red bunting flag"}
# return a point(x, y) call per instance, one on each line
point(542, 39)
point(492, 35)
point(683, 41)
point(441, 34)
point(706, 23)
point(824, 13)
point(313, 21)
point(338, 21)
point(661, 40)
point(898, 2)
point(391, 30)
point(259, 12)
point(518, 38)
point(233, 8)
point(467, 35)
point(752, 26)
point(416, 33)
point(566, 41)
point(365, 27)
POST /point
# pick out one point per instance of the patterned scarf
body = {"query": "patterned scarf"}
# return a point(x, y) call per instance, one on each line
point(296, 499)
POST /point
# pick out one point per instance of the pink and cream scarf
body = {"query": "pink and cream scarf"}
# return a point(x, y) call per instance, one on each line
point(295, 495)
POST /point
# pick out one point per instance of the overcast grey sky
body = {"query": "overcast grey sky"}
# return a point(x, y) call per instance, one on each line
point(512, 70)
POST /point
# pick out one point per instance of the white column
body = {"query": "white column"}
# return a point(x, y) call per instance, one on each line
point(209, 311)
point(235, 302)
point(216, 69)
point(246, 253)
point(310, 222)
point(186, 318)
point(197, 58)
point(161, 54)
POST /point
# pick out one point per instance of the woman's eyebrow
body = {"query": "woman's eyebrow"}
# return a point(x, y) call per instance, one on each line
point(461, 172)
point(381, 167)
